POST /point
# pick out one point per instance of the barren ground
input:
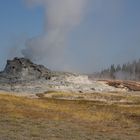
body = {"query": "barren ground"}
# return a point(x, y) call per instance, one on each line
point(69, 116)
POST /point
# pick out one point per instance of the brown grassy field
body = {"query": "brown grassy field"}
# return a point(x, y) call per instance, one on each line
point(46, 118)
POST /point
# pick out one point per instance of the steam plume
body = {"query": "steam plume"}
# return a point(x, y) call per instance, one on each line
point(61, 16)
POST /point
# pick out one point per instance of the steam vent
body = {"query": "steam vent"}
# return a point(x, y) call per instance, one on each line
point(24, 69)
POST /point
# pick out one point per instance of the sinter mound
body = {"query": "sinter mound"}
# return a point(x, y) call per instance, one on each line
point(22, 75)
point(24, 69)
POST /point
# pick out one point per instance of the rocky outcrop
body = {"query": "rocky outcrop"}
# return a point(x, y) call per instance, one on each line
point(24, 69)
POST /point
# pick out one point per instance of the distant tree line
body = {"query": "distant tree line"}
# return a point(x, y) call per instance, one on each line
point(128, 71)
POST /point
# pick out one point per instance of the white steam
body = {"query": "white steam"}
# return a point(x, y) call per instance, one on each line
point(61, 16)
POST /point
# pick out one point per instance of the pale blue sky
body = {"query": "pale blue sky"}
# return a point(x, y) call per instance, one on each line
point(109, 33)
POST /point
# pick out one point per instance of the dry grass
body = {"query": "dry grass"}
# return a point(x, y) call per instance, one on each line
point(116, 97)
point(49, 118)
